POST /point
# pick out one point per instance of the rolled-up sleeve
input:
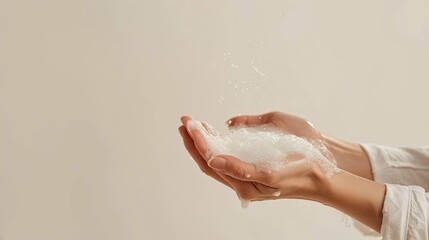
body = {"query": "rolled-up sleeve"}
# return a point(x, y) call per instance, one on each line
point(404, 213)
point(405, 171)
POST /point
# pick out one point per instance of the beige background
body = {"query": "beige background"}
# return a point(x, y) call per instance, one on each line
point(91, 93)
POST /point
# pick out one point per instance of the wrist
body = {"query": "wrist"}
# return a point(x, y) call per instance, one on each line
point(350, 157)
point(319, 187)
point(357, 197)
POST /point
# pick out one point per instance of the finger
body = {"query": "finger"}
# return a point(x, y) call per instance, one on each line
point(234, 167)
point(200, 143)
point(253, 191)
point(197, 154)
point(185, 120)
point(245, 189)
point(250, 119)
point(225, 179)
point(201, 162)
point(209, 129)
point(206, 126)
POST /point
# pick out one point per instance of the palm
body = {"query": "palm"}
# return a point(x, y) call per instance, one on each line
point(288, 123)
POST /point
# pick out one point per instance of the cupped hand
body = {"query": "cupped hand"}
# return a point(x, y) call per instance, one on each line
point(299, 179)
point(283, 121)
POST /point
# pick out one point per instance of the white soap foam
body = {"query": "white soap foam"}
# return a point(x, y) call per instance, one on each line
point(269, 148)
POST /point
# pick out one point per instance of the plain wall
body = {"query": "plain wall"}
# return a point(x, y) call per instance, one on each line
point(91, 93)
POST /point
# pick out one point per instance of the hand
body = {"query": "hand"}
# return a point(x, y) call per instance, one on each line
point(299, 179)
point(356, 196)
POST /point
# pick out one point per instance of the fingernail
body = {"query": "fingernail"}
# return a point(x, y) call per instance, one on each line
point(217, 163)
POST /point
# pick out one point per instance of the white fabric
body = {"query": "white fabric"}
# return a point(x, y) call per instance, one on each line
point(405, 171)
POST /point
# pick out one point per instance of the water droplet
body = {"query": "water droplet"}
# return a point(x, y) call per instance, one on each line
point(277, 193)
point(244, 203)
point(221, 99)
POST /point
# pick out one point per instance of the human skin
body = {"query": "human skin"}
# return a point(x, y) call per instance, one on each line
point(351, 190)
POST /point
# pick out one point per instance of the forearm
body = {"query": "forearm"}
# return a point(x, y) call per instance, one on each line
point(357, 197)
point(350, 157)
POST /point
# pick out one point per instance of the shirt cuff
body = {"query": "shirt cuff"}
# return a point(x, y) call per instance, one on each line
point(404, 213)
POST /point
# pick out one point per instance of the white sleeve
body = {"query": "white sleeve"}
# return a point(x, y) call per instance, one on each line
point(404, 213)
point(405, 171)
point(404, 166)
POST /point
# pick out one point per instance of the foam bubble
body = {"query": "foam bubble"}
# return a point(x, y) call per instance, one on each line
point(269, 148)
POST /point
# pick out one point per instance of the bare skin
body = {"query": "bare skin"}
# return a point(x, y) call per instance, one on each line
point(351, 191)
